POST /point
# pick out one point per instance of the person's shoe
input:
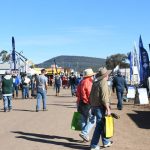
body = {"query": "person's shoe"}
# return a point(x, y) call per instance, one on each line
point(9, 109)
point(84, 137)
point(5, 110)
point(96, 148)
point(37, 110)
point(44, 109)
point(109, 144)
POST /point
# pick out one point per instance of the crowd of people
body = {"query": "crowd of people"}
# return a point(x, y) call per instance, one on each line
point(34, 86)
point(93, 91)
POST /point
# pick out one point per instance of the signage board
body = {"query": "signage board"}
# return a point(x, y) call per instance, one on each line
point(142, 95)
point(131, 92)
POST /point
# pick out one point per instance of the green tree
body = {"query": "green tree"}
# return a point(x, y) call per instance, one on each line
point(4, 56)
point(116, 59)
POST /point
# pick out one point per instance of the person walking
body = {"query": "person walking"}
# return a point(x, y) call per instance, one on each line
point(120, 84)
point(99, 99)
point(58, 83)
point(72, 82)
point(41, 84)
point(7, 87)
point(16, 84)
point(83, 103)
point(25, 86)
point(33, 86)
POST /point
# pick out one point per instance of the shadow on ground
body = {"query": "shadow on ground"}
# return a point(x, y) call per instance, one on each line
point(64, 105)
point(52, 139)
point(67, 96)
point(126, 103)
point(141, 118)
point(24, 110)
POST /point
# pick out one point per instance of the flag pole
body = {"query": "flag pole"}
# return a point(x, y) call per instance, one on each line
point(55, 65)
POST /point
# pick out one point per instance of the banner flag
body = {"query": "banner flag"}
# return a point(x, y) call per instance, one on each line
point(136, 63)
point(13, 53)
point(144, 63)
point(130, 58)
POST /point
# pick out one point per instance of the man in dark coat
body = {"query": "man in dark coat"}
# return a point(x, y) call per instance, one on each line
point(120, 84)
point(7, 87)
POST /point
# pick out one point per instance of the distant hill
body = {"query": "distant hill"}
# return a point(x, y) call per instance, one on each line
point(78, 63)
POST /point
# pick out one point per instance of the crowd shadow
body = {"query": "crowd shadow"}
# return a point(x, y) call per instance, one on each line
point(24, 110)
point(124, 103)
point(141, 118)
point(65, 96)
point(49, 95)
point(67, 102)
point(2, 110)
point(52, 139)
point(63, 105)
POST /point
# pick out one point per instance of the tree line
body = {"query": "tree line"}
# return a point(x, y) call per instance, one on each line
point(111, 61)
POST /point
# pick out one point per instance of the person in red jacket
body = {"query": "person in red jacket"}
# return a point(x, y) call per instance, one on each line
point(83, 103)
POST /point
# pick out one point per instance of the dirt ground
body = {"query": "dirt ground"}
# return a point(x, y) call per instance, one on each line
point(25, 129)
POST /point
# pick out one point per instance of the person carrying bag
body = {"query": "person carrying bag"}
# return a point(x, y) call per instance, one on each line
point(83, 103)
point(99, 99)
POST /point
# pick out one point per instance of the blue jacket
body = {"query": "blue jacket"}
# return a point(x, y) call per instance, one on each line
point(119, 83)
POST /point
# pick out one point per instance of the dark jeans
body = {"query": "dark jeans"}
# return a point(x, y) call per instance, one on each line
point(73, 89)
point(99, 112)
point(41, 95)
point(84, 108)
point(119, 97)
point(15, 88)
point(57, 86)
point(88, 120)
point(25, 92)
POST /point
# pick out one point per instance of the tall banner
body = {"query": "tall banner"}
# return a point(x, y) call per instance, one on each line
point(130, 58)
point(144, 63)
point(136, 64)
point(13, 53)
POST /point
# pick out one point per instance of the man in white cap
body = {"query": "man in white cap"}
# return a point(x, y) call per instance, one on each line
point(83, 103)
point(7, 87)
point(99, 99)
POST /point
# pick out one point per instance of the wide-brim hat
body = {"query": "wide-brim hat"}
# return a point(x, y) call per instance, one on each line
point(103, 72)
point(88, 73)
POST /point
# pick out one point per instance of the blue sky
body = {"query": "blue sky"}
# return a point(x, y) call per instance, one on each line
point(96, 28)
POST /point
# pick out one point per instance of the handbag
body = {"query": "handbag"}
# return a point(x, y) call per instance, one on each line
point(109, 126)
point(76, 121)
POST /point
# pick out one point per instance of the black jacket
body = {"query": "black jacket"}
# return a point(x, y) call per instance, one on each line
point(119, 83)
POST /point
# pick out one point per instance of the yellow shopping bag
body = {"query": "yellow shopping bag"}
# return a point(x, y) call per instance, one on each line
point(109, 126)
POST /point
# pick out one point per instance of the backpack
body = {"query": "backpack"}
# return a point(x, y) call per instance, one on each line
point(95, 91)
point(57, 80)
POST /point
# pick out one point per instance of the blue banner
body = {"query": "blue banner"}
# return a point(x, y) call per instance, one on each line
point(130, 58)
point(144, 63)
point(13, 52)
